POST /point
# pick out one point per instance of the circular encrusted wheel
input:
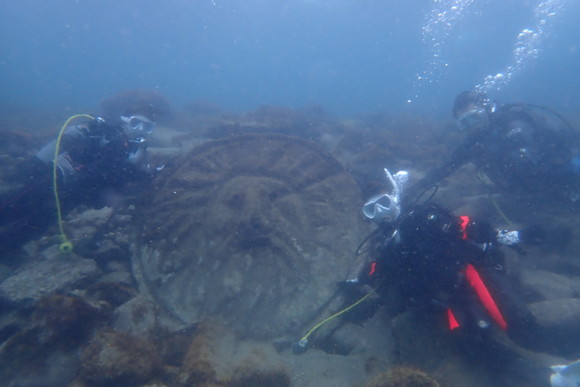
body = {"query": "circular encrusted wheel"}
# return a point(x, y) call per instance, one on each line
point(254, 230)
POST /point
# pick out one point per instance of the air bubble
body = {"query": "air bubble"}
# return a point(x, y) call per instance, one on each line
point(527, 46)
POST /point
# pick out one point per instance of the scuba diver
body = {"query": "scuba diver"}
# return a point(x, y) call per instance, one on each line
point(448, 268)
point(522, 148)
point(94, 157)
point(428, 258)
point(101, 152)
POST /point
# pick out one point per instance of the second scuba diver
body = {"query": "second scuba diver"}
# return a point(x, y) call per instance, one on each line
point(524, 149)
point(450, 269)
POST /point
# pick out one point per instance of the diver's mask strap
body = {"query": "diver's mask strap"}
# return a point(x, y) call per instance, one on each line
point(387, 207)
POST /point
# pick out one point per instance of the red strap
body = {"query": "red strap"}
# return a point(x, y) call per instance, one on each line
point(464, 223)
point(484, 296)
point(453, 324)
point(373, 268)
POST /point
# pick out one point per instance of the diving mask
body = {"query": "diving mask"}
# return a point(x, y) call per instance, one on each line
point(387, 207)
point(139, 124)
point(473, 119)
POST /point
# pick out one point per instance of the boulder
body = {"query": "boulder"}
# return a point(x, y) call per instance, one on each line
point(557, 314)
point(550, 285)
point(114, 358)
point(137, 316)
point(559, 322)
point(43, 276)
point(403, 376)
point(43, 348)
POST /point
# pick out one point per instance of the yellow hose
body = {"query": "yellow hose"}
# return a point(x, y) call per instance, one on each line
point(65, 246)
point(499, 210)
point(304, 340)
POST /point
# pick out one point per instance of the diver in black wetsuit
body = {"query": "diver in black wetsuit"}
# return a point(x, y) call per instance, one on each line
point(449, 268)
point(522, 148)
point(427, 257)
point(94, 156)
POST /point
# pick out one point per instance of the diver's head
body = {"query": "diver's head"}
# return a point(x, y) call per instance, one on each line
point(136, 111)
point(387, 207)
point(137, 125)
point(472, 110)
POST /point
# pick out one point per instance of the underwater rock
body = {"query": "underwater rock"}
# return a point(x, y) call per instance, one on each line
point(245, 377)
point(9, 173)
point(559, 321)
point(173, 347)
point(114, 358)
point(57, 322)
point(41, 277)
point(371, 338)
point(311, 122)
point(137, 316)
point(67, 320)
point(109, 251)
point(114, 293)
point(53, 368)
point(550, 285)
point(44, 350)
point(121, 277)
point(402, 376)
point(200, 360)
point(217, 357)
point(100, 234)
point(93, 217)
point(84, 224)
point(392, 141)
point(557, 313)
point(15, 143)
point(253, 229)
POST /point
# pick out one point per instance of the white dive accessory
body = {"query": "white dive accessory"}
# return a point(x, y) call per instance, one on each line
point(565, 375)
point(387, 207)
point(508, 238)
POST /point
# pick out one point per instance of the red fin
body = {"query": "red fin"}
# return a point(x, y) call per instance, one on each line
point(373, 268)
point(464, 223)
point(484, 296)
point(453, 324)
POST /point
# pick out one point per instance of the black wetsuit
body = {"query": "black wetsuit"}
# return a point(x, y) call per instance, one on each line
point(425, 261)
point(100, 155)
point(524, 149)
point(421, 262)
point(94, 157)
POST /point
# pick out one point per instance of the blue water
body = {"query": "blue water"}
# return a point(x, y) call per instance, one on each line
point(349, 56)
